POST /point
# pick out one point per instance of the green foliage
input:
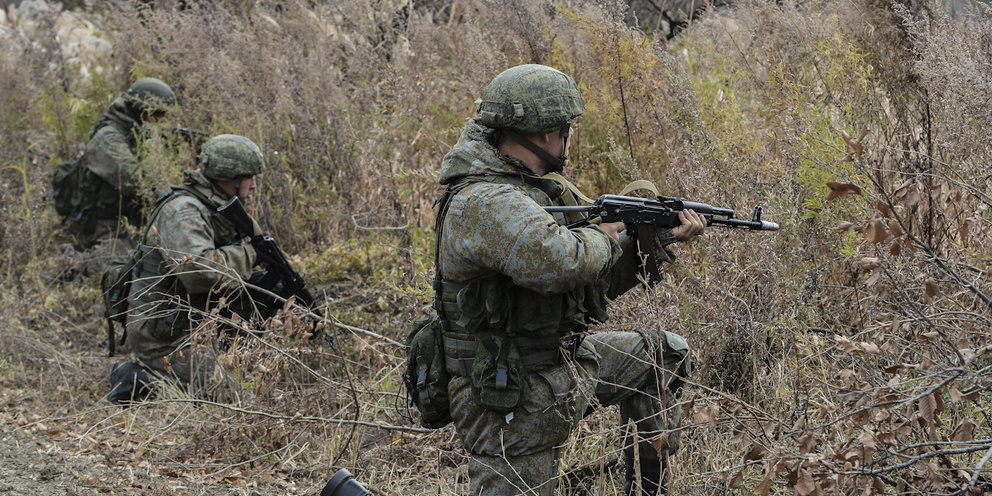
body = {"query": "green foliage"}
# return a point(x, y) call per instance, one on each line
point(846, 325)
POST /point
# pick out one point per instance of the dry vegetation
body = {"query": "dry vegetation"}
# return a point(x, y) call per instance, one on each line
point(845, 354)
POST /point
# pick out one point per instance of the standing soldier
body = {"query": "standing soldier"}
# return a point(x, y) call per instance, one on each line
point(517, 291)
point(98, 195)
point(192, 261)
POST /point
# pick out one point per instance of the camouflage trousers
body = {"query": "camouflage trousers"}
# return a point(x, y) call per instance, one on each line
point(175, 355)
point(518, 453)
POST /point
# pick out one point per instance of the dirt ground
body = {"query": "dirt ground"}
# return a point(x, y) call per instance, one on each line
point(51, 457)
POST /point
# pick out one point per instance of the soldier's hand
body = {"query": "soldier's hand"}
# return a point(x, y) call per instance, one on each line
point(613, 229)
point(693, 225)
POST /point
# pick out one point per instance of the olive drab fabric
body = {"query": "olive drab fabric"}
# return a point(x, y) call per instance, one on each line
point(102, 194)
point(228, 156)
point(518, 291)
point(191, 258)
point(530, 98)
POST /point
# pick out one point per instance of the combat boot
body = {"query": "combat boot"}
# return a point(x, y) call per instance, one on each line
point(129, 383)
point(654, 477)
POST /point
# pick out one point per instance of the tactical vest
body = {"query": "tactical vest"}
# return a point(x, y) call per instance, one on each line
point(151, 266)
point(491, 311)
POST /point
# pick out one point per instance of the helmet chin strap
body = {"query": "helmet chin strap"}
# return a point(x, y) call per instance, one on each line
point(557, 163)
point(237, 186)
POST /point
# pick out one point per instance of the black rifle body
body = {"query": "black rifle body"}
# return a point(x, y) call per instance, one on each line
point(663, 212)
point(268, 251)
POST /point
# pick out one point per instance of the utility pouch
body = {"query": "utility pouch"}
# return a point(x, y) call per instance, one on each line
point(425, 378)
point(498, 383)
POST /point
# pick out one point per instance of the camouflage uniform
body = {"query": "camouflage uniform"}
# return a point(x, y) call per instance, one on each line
point(109, 155)
point(524, 287)
point(112, 201)
point(192, 261)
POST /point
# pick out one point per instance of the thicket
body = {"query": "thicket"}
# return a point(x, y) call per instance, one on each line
point(846, 353)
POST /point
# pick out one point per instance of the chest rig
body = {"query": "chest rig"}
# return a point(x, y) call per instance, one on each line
point(513, 325)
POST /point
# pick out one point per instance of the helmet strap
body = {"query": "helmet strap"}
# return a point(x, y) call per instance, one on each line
point(557, 163)
point(237, 186)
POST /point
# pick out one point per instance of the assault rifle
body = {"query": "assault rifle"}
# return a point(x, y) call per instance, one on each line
point(642, 215)
point(661, 213)
point(189, 134)
point(268, 251)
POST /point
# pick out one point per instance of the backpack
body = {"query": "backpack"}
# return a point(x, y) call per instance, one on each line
point(116, 280)
point(426, 378)
point(116, 285)
point(76, 191)
point(66, 180)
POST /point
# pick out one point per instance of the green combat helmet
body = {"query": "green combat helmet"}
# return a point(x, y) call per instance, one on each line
point(150, 95)
point(531, 99)
point(228, 156)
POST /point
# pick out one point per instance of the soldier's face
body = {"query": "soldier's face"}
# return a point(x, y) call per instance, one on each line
point(243, 189)
point(248, 185)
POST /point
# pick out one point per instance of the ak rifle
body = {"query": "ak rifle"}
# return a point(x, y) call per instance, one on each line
point(663, 212)
point(278, 268)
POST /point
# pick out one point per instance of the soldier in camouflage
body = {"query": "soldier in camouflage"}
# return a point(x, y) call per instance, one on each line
point(517, 290)
point(193, 261)
point(112, 202)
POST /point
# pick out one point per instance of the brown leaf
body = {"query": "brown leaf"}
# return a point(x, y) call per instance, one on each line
point(765, 485)
point(931, 290)
point(869, 264)
point(870, 348)
point(876, 232)
point(855, 148)
point(757, 452)
point(737, 480)
point(883, 208)
point(842, 189)
point(847, 226)
point(965, 432)
point(804, 483)
point(895, 248)
point(928, 407)
point(895, 228)
point(955, 392)
point(845, 344)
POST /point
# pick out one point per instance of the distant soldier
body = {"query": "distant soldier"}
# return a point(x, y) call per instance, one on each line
point(98, 195)
point(193, 261)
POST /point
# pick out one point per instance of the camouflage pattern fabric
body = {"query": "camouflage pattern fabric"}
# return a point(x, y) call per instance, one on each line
point(494, 228)
point(228, 156)
point(531, 98)
point(192, 257)
point(109, 155)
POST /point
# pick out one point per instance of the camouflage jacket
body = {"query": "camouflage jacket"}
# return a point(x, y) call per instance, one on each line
point(191, 255)
point(110, 151)
point(516, 269)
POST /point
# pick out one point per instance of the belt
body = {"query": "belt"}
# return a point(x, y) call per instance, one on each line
point(463, 366)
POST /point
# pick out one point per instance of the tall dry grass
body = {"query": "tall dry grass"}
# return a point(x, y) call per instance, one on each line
point(845, 353)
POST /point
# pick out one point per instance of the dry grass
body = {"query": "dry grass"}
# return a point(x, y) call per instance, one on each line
point(846, 351)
